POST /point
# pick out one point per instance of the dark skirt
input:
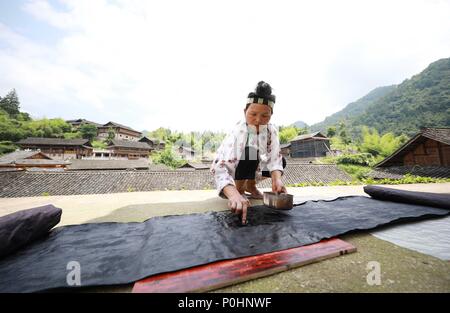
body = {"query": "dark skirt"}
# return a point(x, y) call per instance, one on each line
point(246, 168)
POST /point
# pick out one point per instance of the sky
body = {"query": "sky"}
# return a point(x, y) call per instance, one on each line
point(189, 65)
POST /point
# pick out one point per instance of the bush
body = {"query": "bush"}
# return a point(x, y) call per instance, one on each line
point(378, 145)
point(365, 159)
point(7, 147)
point(407, 179)
point(167, 157)
point(357, 172)
point(98, 144)
point(75, 135)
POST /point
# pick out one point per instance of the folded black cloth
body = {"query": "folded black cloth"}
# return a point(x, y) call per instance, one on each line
point(23, 227)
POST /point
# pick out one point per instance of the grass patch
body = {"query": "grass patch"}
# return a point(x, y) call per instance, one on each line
point(407, 179)
point(357, 172)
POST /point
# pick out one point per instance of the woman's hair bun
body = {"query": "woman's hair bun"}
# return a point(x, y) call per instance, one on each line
point(263, 89)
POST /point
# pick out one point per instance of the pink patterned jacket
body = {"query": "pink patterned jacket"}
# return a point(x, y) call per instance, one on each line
point(231, 150)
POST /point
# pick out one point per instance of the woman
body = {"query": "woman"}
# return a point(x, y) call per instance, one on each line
point(250, 153)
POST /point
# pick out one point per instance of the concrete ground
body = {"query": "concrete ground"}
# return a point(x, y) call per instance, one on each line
point(402, 270)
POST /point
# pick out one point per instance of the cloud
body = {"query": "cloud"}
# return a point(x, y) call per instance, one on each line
point(44, 11)
point(189, 65)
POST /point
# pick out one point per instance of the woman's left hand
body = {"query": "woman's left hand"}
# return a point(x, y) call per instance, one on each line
point(277, 186)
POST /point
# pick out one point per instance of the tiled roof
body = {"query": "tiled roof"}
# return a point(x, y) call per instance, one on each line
point(145, 139)
point(187, 149)
point(10, 158)
point(197, 166)
point(397, 172)
point(439, 134)
point(30, 162)
point(107, 164)
point(129, 144)
point(317, 135)
point(159, 167)
point(53, 141)
point(82, 121)
point(310, 173)
point(10, 169)
point(22, 157)
point(23, 184)
point(290, 160)
point(44, 169)
point(114, 124)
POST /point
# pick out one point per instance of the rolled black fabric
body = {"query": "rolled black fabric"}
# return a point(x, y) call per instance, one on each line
point(120, 253)
point(23, 227)
point(438, 200)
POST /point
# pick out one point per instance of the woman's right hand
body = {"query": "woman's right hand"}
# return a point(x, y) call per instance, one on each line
point(238, 204)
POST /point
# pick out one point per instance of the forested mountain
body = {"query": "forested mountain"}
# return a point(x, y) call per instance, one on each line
point(353, 109)
point(300, 124)
point(422, 100)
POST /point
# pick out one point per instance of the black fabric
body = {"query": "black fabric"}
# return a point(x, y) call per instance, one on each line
point(119, 253)
point(23, 227)
point(246, 168)
point(438, 200)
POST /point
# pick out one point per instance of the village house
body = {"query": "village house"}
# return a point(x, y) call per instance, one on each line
point(196, 166)
point(431, 146)
point(285, 149)
point(25, 159)
point(187, 153)
point(57, 148)
point(100, 154)
point(425, 154)
point(309, 145)
point(155, 144)
point(121, 132)
point(81, 121)
point(124, 149)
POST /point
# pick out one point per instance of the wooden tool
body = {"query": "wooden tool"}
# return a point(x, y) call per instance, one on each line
point(228, 272)
point(279, 201)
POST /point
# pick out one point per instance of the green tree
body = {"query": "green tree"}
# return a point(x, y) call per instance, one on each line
point(377, 145)
point(342, 130)
point(10, 103)
point(88, 131)
point(75, 135)
point(111, 135)
point(331, 132)
point(10, 129)
point(98, 144)
point(160, 133)
point(167, 157)
point(7, 147)
point(288, 133)
point(52, 128)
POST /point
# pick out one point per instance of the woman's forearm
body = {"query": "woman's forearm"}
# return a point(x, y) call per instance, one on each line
point(230, 191)
point(275, 174)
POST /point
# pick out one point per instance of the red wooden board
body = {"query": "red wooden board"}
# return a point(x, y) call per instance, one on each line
point(228, 272)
